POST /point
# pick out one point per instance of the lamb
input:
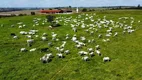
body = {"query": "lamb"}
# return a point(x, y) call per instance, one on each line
point(105, 59)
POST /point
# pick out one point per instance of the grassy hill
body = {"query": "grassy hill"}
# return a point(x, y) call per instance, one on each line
point(124, 50)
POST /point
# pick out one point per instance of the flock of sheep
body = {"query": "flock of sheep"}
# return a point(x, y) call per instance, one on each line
point(91, 27)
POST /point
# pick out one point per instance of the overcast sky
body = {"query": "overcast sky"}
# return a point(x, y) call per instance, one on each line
point(75, 3)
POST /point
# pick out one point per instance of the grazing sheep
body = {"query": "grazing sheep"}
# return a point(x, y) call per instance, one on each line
point(15, 37)
point(45, 59)
point(60, 55)
point(44, 34)
point(44, 38)
point(85, 58)
point(97, 47)
point(90, 49)
point(92, 54)
point(63, 45)
point(100, 36)
point(74, 29)
point(74, 38)
point(115, 34)
point(82, 38)
point(29, 36)
point(32, 50)
point(82, 53)
point(50, 44)
point(50, 55)
point(67, 51)
point(98, 52)
point(105, 59)
point(23, 50)
point(78, 46)
point(23, 32)
point(29, 42)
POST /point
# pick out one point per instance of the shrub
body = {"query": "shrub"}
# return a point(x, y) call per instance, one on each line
point(32, 13)
point(84, 10)
point(50, 18)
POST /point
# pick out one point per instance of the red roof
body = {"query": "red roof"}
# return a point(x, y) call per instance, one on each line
point(50, 11)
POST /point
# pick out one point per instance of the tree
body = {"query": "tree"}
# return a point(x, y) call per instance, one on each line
point(84, 10)
point(139, 5)
point(32, 13)
point(50, 18)
point(70, 7)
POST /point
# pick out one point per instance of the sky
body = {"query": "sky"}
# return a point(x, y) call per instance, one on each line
point(63, 3)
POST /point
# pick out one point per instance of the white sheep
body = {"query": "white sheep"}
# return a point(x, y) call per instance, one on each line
point(23, 32)
point(97, 47)
point(32, 50)
point(15, 37)
point(60, 55)
point(67, 51)
point(30, 41)
point(23, 49)
point(85, 58)
point(91, 54)
point(90, 49)
point(105, 59)
point(82, 38)
point(44, 34)
point(98, 52)
point(29, 36)
point(44, 38)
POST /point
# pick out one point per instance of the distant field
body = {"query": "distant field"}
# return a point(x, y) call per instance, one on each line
point(125, 50)
point(28, 12)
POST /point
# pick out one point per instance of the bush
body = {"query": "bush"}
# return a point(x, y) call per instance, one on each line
point(84, 10)
point(50, 18)
point(22, 14)
point(32, 13)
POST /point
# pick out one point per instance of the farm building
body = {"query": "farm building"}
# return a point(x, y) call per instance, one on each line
point(56, 11)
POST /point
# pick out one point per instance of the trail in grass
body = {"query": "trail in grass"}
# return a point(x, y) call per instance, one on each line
point(52, 78)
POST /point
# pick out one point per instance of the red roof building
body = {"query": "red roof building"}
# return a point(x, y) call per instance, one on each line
point(51, 11)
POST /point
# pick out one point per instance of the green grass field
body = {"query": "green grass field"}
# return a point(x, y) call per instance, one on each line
point(125, 50)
